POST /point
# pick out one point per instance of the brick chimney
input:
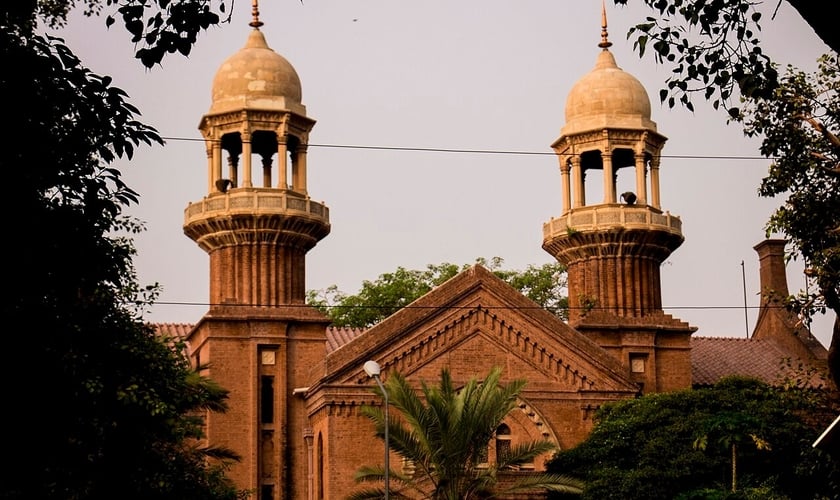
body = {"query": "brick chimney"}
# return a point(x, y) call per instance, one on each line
point(774, 321)
point(772, 274)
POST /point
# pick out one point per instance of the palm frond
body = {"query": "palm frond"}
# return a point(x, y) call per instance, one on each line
point(375, 494)
point(525, 453)
point(445, 430)
point(559, 483)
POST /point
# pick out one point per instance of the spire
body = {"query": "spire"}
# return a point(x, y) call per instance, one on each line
point(255, 13)
point(604, 42)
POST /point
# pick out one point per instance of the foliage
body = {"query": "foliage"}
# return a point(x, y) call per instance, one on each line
point(97, 406)
point(156, 27)
point(731, 430)
point(445, 434)
point(715, 47)
point(391, 292)
point(716, 50)
point(799, 126)
point(645, 448)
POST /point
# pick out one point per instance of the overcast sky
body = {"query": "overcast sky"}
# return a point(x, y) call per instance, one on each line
point(478, 75)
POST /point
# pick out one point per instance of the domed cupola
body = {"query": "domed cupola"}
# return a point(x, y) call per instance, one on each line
point(612, 234)
point(605, 97)
point(256, 77)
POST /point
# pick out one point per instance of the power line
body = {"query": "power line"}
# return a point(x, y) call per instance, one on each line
point(448, 307)
point(483, 151)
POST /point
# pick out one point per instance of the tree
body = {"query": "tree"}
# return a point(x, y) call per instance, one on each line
point(155, 27)
point(731, 429)
point(652, 447)
point(715, 47)
point(391, 292)
point(97, 406)
point(445, 434)
point(798, 125)
point(716, 52)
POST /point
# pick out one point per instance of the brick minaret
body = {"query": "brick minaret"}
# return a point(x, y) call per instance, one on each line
point(613, 248)
point(257, 222)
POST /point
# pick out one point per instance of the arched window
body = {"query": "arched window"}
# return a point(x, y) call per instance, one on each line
point(502, 443)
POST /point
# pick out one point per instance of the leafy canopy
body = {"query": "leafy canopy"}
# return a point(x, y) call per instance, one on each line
point(444, 431)
point(676, 445)
point(155, 27)
point(376, 300)
point(100, 407)
point(715, 49)
point(799, 126)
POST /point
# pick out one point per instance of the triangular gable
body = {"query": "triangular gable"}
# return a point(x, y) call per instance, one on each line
point(453, 324)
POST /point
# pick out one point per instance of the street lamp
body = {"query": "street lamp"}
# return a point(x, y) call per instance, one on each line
point(373, 370)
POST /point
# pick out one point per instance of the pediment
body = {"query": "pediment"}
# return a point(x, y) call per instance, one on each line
point(470, 323)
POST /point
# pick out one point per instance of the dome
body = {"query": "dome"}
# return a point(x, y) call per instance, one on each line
point(256, 77)
point(607, 97)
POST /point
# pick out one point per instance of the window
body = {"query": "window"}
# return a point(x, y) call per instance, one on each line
point(502, 443)
point(266, 399)
point(267, 492)
point(482, 456)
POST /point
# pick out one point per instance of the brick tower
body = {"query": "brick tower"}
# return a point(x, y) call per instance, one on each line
point(613, 248)
point(258, 339)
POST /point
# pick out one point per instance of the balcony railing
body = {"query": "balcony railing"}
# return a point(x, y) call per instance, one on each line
point(584, 219)
point(258, 201)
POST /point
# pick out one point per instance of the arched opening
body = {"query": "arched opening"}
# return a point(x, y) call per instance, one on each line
point(503, 443)
point(592, 175)
point(624, 176)
point(264, 145)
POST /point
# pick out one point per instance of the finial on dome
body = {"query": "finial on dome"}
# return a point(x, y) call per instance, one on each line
point(604, 42)
point(255, 13)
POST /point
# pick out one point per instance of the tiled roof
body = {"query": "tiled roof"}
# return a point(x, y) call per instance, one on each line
point(338, 336)
point(173, 330)
point(713, 358)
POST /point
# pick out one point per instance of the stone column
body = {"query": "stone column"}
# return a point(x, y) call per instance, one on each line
point(282, 163)
point(246, 160)
point(565, 183)
point(577, 179)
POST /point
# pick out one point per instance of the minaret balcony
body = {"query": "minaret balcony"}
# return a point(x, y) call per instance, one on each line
point(242, 215)
point(612, 229)
point(256, 201)
point(603, 217)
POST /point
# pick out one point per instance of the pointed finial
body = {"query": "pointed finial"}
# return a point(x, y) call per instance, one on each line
point(604, 42)
point(255, 15)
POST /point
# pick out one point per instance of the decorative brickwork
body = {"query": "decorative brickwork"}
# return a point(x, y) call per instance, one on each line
point(297, 385)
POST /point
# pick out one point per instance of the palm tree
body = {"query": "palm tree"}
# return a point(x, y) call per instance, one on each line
point(444, 435)
point(731, 429)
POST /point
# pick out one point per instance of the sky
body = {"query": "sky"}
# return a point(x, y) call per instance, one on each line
point(486, 80)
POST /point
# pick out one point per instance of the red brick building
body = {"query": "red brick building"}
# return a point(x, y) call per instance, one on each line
point(296, 384)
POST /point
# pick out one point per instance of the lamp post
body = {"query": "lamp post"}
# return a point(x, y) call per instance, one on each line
point(373, 370)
